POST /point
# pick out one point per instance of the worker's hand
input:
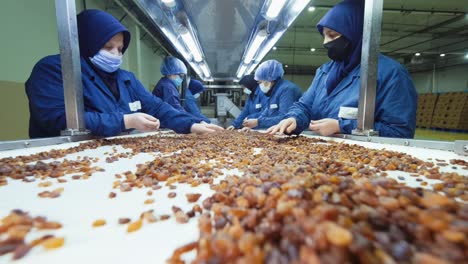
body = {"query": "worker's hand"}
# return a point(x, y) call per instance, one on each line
point(141, 121)
point(230, 128)
point(246, 129)
point(325, 127)
point(287, 125)
point(250, 123)
point(205, 128)
point(214, 127)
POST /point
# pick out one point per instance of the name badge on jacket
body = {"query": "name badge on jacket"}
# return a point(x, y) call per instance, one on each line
point(348, 112)
point(134, 106)
point(257, 106)
point(273, 106)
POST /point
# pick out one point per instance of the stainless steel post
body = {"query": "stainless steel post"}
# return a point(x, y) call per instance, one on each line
point(71, 67)
point(369, 61)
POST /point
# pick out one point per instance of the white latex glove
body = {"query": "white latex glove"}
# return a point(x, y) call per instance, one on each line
point(141, 121)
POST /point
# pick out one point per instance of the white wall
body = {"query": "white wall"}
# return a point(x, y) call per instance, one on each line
point(28, 33)
point(303, 81)
point(446, 80)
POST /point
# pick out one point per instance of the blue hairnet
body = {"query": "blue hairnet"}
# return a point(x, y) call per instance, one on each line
point(195, 86)
point(172, 66)
point(270, 70)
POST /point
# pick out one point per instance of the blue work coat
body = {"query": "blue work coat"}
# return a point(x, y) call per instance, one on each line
point(103, 113)
point(252, 109)
point(395, 105)
point(191, 106)
point(167, 91)
point(279, 99)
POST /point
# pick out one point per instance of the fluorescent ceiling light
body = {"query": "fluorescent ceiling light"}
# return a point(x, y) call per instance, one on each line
point(196, 68)
point(251, 68)
point(466, 56)
point(169, 3)
point(299, 5)
point(206, 70)
point(274, 9)
point(241, 71)
point(176, 43)
point(253, 48)
point(269, 44)
point(417, 54)
point(442, 55)
point(312, 49)
point(311, 9)
point(191, 45)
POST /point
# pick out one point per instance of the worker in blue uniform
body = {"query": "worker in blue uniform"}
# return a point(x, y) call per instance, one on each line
point(173, 71)
point(114, 100)
point(280, 93)
point(330, 104)
point(195, 88)
point(256, 101)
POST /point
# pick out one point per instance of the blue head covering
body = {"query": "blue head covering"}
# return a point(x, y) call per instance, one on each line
point(249, 82)
point(95, 29)
point(172, 66)
point(195, 86)
point(346, 18)
point(270, 70)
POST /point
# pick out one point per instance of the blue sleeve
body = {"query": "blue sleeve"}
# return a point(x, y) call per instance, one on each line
point(302, 109)
point(237, 123)
point(395, 93)
point(46, 99)
point(168, 93)
point(192, 108)
point(287, 99)
point(179, 121)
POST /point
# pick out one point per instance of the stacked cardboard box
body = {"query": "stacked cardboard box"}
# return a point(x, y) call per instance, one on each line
point(451, 111)
point(426, 105)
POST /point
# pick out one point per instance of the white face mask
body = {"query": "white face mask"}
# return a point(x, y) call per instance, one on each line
point(264, 88)
point(196, 95)
point(247, 91)
point(107, 61)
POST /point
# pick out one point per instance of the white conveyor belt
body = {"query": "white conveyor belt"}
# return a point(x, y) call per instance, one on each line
point(84, 201)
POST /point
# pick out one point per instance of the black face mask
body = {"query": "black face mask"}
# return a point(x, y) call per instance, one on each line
point(338, 49)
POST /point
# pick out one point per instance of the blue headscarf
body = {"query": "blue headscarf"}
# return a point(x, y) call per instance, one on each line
point(195, 86)
point(346, 18)
point(95, 29)
point(249, 82)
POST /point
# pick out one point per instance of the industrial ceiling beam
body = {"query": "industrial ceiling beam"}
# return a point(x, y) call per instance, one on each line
point(428, 29)
point(447, 33)
point(409, 10)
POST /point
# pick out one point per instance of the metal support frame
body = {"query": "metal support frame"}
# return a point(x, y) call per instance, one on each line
point(39, 142)
point(71, 67)
point(369, 62)
point(459, 147)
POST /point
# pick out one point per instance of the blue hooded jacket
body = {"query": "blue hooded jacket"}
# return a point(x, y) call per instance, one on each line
point(103, 112)
point(350, 26)
point(191, 107)
point(195, 86)
point(396, 99)
point(256, 102)
point(278, 101)
point(167, 91)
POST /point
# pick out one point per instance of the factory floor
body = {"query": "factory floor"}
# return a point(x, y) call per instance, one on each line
point(431, 134)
